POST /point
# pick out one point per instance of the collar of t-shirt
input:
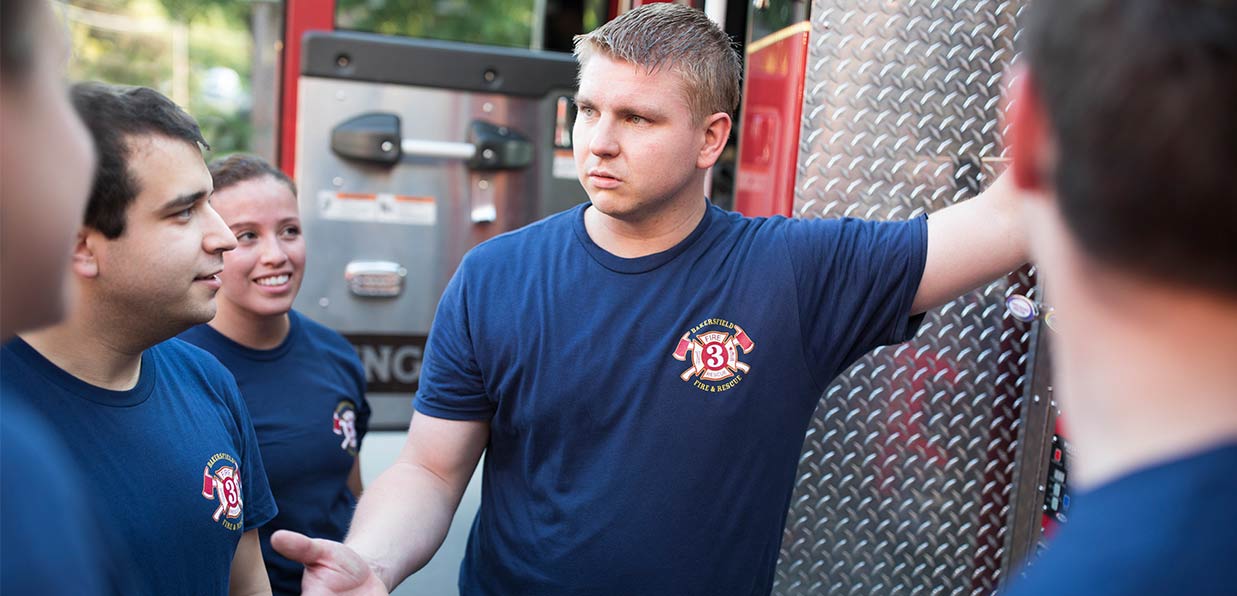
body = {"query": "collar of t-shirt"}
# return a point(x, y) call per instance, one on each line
point(639, 264)
point(71, 384)
point(275, 353)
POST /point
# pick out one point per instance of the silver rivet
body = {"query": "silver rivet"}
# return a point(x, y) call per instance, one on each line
point(487, 107)
point(324, 302)
point(487, 153)
point(483, 184)
point(337, 181)
point(387, 146)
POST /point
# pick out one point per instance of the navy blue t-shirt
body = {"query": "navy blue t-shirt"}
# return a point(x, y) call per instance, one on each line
point(50, 543)
point(1167, 529)
point(172, 465)
point(647, 415)
point(307, 401)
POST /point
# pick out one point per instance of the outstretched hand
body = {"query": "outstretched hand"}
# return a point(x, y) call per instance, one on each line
point(330, 567)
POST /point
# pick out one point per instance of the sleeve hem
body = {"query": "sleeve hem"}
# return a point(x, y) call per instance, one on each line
point(264, 519)
point(907, 325)
point(450, 413)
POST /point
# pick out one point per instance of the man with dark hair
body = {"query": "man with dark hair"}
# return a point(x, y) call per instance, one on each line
point(46, 162)
point(1124, 130)
point(641, 370)
point(158, 426)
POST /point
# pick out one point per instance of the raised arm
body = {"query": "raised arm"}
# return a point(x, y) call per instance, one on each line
point(972, 243)
point(403, 517)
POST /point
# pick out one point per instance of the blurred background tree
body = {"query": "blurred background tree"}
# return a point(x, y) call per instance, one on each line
point(492, 22)
point(198, 52)
point(218, 58)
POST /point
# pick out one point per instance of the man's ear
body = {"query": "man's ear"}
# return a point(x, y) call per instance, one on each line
point(716, 133)
point(85, 253)
point(1029, 137)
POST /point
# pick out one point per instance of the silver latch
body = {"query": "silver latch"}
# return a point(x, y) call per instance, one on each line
point(375, 279)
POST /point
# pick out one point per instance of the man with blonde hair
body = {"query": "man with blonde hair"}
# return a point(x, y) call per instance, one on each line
point(641, 370)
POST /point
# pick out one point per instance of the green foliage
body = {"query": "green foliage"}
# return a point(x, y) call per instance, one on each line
point(130, 42)
point(491, 22)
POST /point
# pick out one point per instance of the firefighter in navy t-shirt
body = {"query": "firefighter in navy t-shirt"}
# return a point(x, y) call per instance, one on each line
point(640, 371)
point(157, 426)
point(1122, 133)
point(303, 383)
point(47, 163)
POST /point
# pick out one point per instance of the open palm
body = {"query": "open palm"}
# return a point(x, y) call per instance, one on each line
point(330, 567)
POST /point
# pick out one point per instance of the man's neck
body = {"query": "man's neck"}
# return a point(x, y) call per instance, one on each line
point(253, 331)
point(89, 353)
point(648, 234)
point(1147, 382)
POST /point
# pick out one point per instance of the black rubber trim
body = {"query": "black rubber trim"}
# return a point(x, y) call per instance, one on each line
point(440, 64)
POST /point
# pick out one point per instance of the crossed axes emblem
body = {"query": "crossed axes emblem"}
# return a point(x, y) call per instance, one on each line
point(714, 352)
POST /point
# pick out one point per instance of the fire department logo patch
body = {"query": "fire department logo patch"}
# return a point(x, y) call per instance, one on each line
point(713, 348)
point(343, 423)
point(221, 481)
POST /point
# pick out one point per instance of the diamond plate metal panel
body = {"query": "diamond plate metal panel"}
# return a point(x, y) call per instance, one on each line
point(905, 478)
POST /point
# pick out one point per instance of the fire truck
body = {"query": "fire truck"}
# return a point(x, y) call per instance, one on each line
point(934, 466)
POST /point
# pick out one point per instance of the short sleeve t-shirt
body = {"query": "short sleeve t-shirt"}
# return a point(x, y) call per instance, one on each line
point(172, 465)
point(1170, 528)
point(306, 398)
point(646, 415)
point(50, 543)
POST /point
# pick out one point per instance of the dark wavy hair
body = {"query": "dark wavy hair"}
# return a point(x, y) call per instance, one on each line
point(114, 115)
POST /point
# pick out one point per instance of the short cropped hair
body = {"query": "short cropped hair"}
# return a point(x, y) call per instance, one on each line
point(17, 38)
point(240, 167)
point(114, 115)
point(1141, 99)
point(667, 35)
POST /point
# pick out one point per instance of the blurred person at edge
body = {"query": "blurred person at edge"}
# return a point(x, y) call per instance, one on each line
point(50, 542)
point(1124, 130)
point(302, 382)
point(158, 426)
point(641, 370)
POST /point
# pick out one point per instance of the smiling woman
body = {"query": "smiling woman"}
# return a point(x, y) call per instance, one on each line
point(302, 382)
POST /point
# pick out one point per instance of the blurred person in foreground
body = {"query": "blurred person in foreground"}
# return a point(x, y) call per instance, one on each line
point(1124, 129)
point(46, 164)
point(158, 426)
point(302, 382)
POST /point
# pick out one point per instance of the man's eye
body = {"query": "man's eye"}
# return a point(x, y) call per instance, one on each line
point(245, 236)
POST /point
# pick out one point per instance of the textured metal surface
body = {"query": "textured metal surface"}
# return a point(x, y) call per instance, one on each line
point(905, 481)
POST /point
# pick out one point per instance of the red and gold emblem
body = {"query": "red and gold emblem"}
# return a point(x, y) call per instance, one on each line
point(713, 347)
point(343, 423)
point(222, 482)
